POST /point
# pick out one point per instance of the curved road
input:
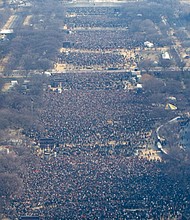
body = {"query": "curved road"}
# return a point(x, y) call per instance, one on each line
point(159, 145)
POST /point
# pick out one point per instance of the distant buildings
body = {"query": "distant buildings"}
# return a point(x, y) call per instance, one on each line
point(148, 44)
point(6, 31)
point(165, 56)
point(170, 106)
point(5, 34)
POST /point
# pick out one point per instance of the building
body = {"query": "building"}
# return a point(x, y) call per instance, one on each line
point(166, 56)
point(6, 31)
point(47, 143)
point(148, 44)
point(170, 107)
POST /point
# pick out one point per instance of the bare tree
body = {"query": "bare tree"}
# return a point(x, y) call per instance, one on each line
point(146, 65)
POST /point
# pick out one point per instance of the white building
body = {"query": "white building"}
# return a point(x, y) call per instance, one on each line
point(165, 56)
point(148, 44)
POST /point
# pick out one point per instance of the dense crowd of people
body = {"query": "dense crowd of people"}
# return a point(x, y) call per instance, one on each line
point(94, 174)
point(91, 186)
point(86, 117)
point(99, 34)
point(92, 81)
point(98, 39)
point(94, 17)
point(90, 59)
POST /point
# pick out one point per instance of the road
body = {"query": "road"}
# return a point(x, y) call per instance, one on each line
point(160, 139)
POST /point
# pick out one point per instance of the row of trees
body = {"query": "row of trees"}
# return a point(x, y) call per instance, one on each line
point(35, 46)
point(16, 113)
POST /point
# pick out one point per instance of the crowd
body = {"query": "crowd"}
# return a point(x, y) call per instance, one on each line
point(91, 186)
point(98, 39)
point(93, 10)
point(86, 117)
point(94, 17)
point(90, 59)
point(92, 81)
point(95, 174)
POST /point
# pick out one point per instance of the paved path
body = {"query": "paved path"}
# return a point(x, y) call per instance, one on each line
point(160, 139)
